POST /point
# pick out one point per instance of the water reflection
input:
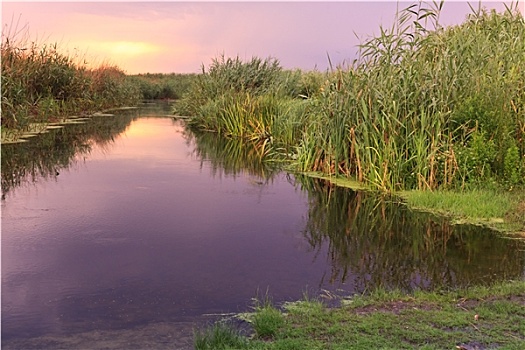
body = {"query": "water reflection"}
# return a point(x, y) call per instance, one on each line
point(50, 153)
point(230, 157)
point(45, 156)
point(375, 242)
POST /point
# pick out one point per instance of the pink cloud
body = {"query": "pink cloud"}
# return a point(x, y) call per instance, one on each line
point(179, 36)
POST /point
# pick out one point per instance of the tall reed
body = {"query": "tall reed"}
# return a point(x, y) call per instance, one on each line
point(254, 100)
point(40, 83)
point(426, 108)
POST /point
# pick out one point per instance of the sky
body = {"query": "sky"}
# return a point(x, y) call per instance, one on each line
point(181, 37)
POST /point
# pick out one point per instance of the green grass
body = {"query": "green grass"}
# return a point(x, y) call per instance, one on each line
point(475, 204)
point(503, 210)
point(219, 336)
point(479, 316)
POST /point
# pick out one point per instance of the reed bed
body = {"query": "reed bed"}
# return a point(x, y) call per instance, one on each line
point(39, 84)
point(426, 109)
point(256, 101)
point(422, 107)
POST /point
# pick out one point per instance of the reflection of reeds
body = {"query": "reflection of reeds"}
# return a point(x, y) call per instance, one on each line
point(47, 155)
point(378, 243)
point(230, 156)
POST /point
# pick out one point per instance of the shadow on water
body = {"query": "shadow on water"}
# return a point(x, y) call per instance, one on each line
point(376, 242)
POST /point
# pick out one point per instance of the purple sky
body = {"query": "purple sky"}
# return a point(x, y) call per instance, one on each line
point(179, 37)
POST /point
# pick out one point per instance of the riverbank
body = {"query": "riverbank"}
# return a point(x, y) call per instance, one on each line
point(473, 318)
point(501, 210)
point(42, 87)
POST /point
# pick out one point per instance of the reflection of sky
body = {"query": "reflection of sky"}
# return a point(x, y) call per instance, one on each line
point(143, 224)
point(178, 36)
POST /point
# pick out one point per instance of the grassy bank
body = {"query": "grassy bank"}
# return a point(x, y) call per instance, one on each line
point(474, 318)
point(432, 113)
point(501, 210)
point(423, 107)
point(498, 208)
point(40, 84)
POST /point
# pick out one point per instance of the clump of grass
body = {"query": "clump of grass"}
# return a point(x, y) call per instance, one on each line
point(476, 204)
point(267, 320)
point(500, 209)
point(255, 101)
point(219, 336)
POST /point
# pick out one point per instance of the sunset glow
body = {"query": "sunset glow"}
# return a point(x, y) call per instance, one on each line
point(167, 37)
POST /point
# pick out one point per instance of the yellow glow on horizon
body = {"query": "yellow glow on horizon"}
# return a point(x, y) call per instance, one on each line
point(128, 48)
point(127, 55)
point(121, 48)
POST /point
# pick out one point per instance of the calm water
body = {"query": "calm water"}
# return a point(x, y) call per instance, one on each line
point(131, 222)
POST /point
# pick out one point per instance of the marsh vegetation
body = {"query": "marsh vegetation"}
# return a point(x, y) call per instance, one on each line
point(423, 107)
point(41, 85)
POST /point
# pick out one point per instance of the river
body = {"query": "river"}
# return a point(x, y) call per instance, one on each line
point(130, 231)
